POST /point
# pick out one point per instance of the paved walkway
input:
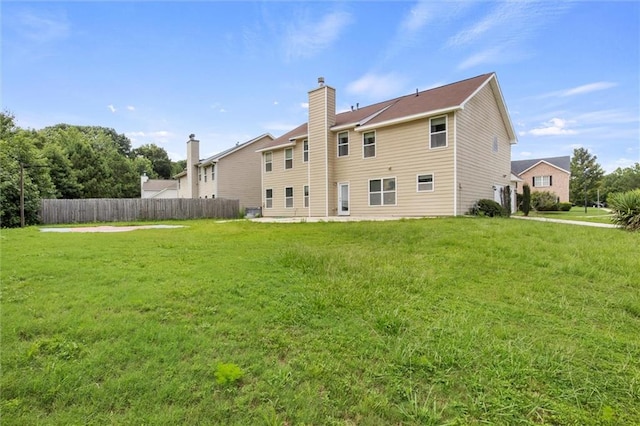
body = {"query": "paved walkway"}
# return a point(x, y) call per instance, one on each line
point(568, 222)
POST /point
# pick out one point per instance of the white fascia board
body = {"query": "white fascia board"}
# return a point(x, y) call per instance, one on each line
point(407, 118)
point(294, 138)
point(272, 148)
point(548, 164)
point(344, 127)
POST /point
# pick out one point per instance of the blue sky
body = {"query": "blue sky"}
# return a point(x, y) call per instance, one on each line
point(230, 71)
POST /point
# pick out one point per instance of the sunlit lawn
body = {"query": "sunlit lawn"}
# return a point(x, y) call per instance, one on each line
point(441, 321)
point(577, 213)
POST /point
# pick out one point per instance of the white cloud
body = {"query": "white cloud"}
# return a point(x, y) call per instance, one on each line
point(304, 105)
point(41, 28)
point(111, 108)
point(491, 55)
point(553, 127)
point(275, 102)
point(307, 38)
point(588, 88)
point(131, 108)
point(376, 86)
point(417, 18)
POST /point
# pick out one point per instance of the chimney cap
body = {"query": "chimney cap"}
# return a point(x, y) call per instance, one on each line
point(192, 136)
point(320, 81)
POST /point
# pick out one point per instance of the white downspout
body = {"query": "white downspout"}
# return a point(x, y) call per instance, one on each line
point(455, 164)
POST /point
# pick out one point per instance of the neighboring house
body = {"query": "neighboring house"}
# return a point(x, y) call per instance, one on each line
point(431, 153)
point(232, 174)
point(545, 174)
point(158, 188)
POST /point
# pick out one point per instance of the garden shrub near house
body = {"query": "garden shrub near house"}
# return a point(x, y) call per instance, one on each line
point(564, 207)
point(544, 201)
point(526, 199)
point(486, 207)
point(626, 209)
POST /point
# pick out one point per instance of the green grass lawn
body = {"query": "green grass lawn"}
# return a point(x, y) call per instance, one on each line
point(577, 213)
point(436, 321)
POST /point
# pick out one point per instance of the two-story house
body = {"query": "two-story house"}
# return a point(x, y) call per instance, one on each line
point(430, 153)
point(232, 174)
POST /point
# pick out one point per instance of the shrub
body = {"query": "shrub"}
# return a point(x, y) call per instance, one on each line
point(526, 199)
point(564, 207)
point(227, 374)
point(486, 207)
point(626, 209)
point(544, 201)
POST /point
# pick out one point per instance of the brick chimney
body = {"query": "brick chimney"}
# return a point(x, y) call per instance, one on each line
point(322, 116)
point(193, 158)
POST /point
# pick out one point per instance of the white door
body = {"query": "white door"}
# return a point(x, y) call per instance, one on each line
point(497, 193)
point(343, 199)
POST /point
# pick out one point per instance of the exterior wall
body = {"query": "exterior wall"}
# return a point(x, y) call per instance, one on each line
point(206, 186)
point(559, 180)
point(183, 189)
point(480, 168)
point(238, 175)
point(402, 152)
point(168, 193)
point(280, 178)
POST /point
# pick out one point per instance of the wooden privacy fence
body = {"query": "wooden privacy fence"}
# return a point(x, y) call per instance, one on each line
point(133, 209)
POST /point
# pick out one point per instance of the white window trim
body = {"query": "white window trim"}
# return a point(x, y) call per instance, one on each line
point(375, 143)
point(347, 145)
point(542, 181)
point(433, 182)
point(305, 151)
point(266, 198)
point(292, 197)
point(381, 179)
point(285, 158)
point(268, 162)
point(446, 131)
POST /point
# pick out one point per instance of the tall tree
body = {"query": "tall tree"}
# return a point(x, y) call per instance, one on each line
point(586, 176)
point(158, 157)
point(621, 180)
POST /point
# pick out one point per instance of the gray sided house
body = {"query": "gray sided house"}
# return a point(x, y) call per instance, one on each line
point(545, 174)
point(231, 174)
point(429, 153)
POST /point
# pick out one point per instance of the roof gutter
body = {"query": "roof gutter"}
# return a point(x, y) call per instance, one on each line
point(408, 118)
point(282, 145)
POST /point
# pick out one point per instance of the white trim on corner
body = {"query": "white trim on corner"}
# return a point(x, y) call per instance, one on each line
point(326, 152)
point(455, 163)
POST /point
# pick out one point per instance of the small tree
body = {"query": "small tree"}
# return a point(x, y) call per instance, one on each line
point(526, 199)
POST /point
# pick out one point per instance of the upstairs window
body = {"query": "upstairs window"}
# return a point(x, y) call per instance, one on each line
point(200, 173)
point(425, 182)
point(288, 158)
point(369, 144)
point(268, 161)
point(438, 133)
point(205, 176)
point(343, 144)
point(305, 151)
point(382, 192)
point(539, 181)
point(213, 172)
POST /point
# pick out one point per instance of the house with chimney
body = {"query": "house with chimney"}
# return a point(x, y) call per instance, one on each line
point(232, 174)
point(550, 174)
point(430, 153)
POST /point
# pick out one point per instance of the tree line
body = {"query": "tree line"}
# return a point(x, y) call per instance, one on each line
point(66, 161)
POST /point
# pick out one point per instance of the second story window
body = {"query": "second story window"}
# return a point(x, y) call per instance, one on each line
point(213, 172)
point(268, 161)
point(343, 144)
point(305, 151)
point(369, 144)
point(205, 174)
point(438, 133)
point(288, 158)
point(539, 181)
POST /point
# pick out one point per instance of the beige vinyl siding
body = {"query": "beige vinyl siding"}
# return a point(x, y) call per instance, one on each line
point(479, 167)
point(279, 178)
point(183, 190)
point(206, 188)
point(238, 175)
point(403, 152)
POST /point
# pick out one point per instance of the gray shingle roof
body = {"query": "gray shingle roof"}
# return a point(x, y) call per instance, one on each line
point(519, 166)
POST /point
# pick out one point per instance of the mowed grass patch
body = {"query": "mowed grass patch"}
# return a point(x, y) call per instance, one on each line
point(578, 213)
point(456, 321)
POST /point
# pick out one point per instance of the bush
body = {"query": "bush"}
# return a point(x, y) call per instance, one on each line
point(544, 201)
point(486, 207)
point(626, 209)
point(227, 374)
point(564, 207)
